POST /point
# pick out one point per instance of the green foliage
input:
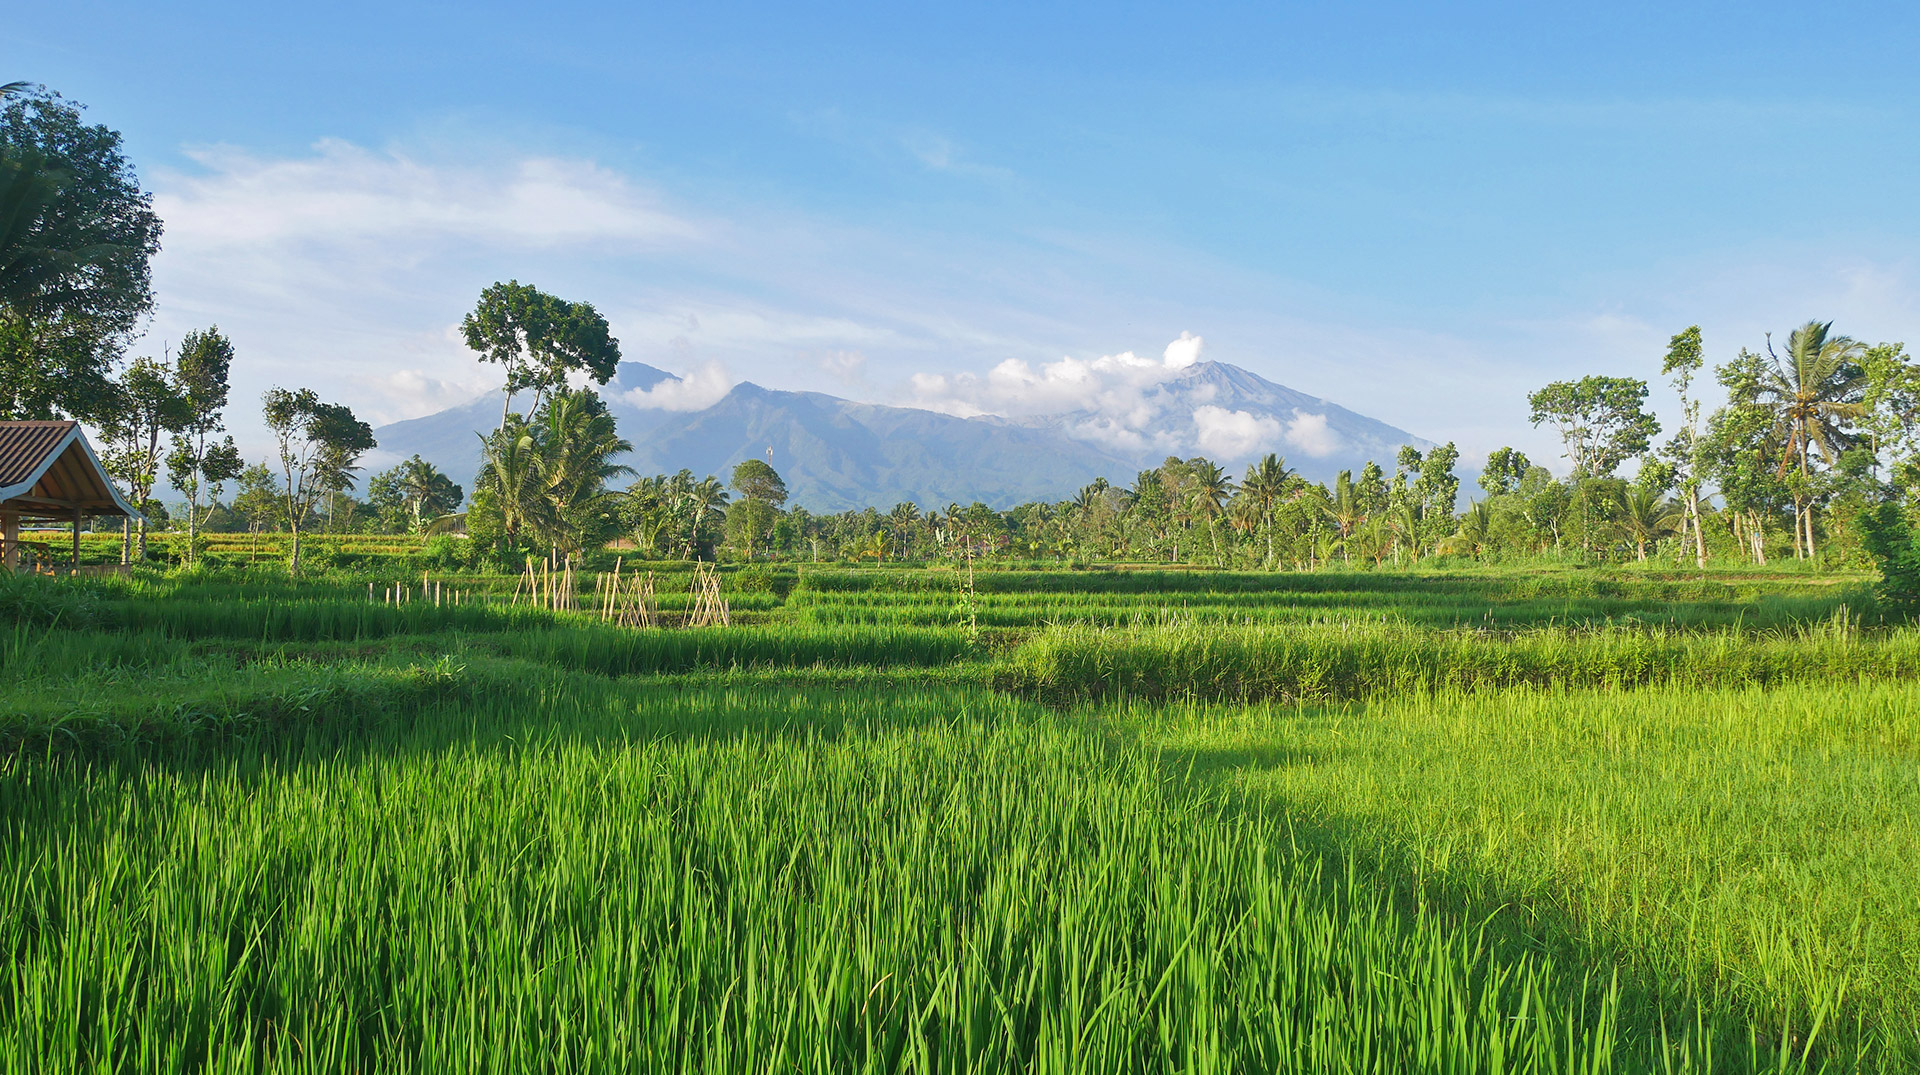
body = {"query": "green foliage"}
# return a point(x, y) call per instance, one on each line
point(755, 480)
point(1889, 537)
point(76, 236)
point(539, 339)
point(1600, 419)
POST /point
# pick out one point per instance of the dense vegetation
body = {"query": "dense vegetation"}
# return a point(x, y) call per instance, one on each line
point(1097, 820)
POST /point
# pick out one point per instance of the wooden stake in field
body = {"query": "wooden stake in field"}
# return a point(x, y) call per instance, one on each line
point(709, 608)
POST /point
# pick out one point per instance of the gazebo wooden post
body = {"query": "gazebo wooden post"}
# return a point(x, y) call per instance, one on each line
point(76, 541)
point(10, 534)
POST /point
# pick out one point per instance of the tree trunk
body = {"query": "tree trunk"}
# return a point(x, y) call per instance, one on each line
point(143, 538)
point(1699, 535)
point(1757, 534)
point(293, 564)
point(126, 540)
point(1810, 545)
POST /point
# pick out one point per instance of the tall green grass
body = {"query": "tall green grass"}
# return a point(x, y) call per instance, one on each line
point(572, 877)
point(1362, 661)
point(1754, 846)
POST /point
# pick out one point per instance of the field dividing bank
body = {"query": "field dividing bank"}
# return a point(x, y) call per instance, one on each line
point(1755, 847)
point(628, 877)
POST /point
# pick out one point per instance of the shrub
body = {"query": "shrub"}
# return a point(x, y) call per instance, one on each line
point(1889, 538)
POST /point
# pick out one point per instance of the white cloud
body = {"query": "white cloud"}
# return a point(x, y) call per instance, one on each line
point(699, 389)
point(1113, 387)
point(1309, 434)
point(1233, 435)
point(343, 193)
point(848, 366)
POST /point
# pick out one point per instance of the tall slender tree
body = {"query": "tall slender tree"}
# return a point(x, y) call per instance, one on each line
point(319, 447)
point(200, 465)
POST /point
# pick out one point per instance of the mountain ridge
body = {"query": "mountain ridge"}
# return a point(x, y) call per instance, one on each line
point(838, 454)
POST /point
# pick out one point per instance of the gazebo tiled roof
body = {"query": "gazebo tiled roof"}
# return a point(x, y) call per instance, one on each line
point(48, 470)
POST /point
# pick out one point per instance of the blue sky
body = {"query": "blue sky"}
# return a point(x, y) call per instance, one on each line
point(1420, 213)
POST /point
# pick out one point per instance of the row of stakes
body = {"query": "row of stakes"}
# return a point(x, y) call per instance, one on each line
point(625, 599)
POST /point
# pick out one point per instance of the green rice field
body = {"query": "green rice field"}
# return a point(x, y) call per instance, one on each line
point(1535, 820)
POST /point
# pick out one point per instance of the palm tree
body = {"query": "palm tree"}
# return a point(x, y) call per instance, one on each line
point(649, 511)
point(1404, 521)
point(1645, 516)
point(1813, 392)
point(578, 441)
point(1264, 486)
point(510, 477)
point(904, 519)
point(1343, 510)
point(706, 497)
point(1476, 527)
point(1210, 489)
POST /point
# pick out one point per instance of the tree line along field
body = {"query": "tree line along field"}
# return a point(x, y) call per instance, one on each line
point(1104, 820)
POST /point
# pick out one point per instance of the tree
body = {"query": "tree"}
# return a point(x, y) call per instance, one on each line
point(1435, 491)
point(755, 480)
point(705, 501)
point(1815, 393)
point(1644, 515)
point(1264, 486)
point(539, 339)
point(199, 466)
point(415, 490)
point(751, 521)
point(1685, 356)
point(1344, 510)
point(258, 501)
point(148, 407)
point(76, 236)
point(319, 444)
point(1209, 488)
point(1600, 420)
point(1505, 469)
point(577, 442)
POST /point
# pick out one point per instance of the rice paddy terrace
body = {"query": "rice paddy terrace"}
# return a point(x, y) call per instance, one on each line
point(887, 820)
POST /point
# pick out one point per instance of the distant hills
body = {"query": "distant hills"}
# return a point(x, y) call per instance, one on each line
point(837, 454)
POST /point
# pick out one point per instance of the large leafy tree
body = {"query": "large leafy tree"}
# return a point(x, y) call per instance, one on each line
point(1506, 468)
point(1601, 421)
point(76, 236)
point(202, 461)
point(320, 445)
point(762, 492)
point(540, 340)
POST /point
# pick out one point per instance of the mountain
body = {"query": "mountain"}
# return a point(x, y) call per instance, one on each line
point(837, 454)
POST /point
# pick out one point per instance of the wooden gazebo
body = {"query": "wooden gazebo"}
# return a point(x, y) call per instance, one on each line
point(48, 471)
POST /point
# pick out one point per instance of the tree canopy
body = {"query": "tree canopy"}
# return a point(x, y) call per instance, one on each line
point(1601, 421)
point(77, 234)
point(539, 339)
